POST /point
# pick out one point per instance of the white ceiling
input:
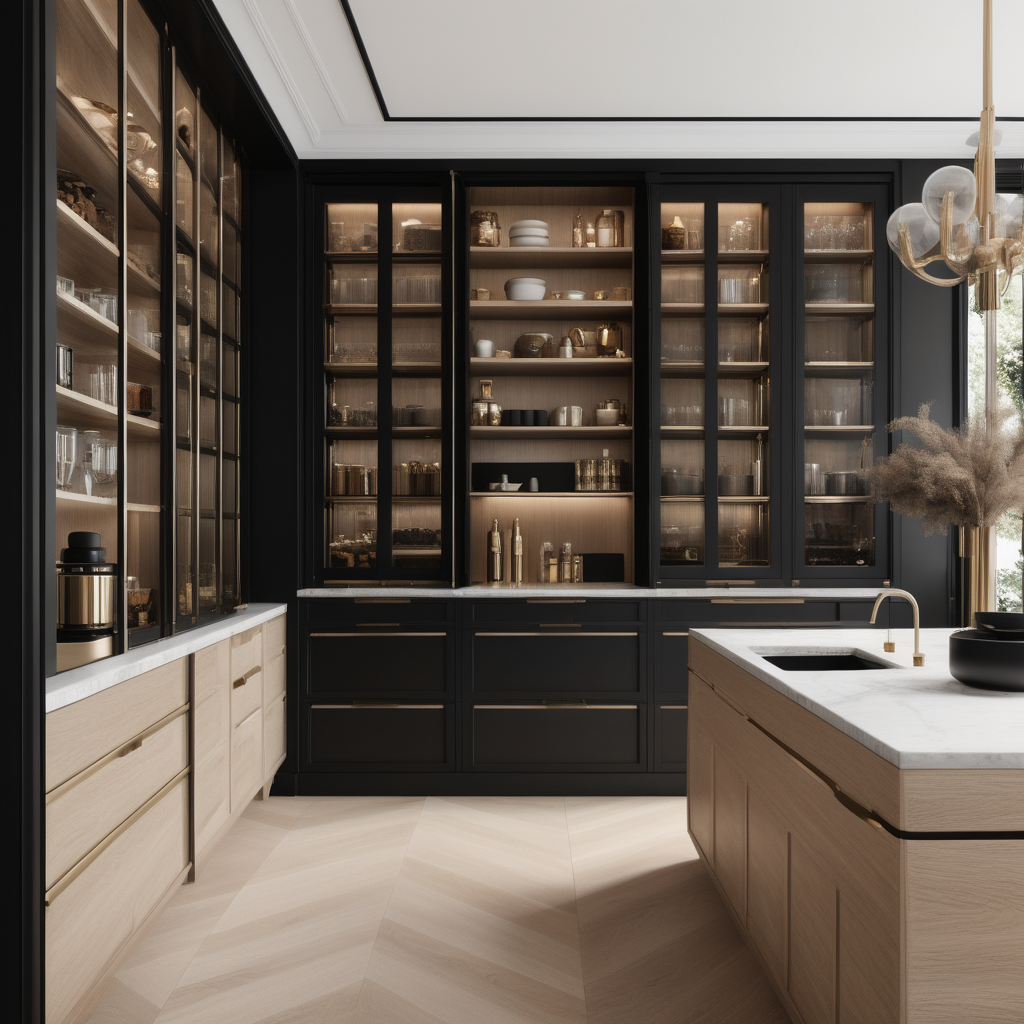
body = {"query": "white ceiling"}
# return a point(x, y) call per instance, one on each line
point(523, 59)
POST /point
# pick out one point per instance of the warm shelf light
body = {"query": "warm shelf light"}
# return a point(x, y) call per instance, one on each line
point(961, 219)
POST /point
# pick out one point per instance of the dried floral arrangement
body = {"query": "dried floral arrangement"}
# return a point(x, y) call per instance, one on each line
point(967, 476)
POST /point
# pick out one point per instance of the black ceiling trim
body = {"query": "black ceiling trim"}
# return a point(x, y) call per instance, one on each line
point(367, 66)
point(371, 75)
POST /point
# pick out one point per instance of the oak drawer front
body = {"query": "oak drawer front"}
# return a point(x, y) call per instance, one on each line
point(555, 662)
point(274, 635)
point(211, 671)
point(274, 677)
point(246, 695)
point(593, 736)
point(381, 664)
point(397, 612)
point(89, 922)
point(212, 724)
point(80, 734)
point(533, 611)
point(246, 759)
point(670, 724)
point(671, 658)
point(211, 791)
point(274, 734)
point(246, 651)
point(401, 735)
point(88, 807)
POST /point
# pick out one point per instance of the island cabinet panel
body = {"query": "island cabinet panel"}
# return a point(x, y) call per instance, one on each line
point(556, 662)
point(670, 728)
point(800, 870)
point(377, 736)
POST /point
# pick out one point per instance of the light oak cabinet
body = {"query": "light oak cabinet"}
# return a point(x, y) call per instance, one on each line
point(211, 670)
point(117, 829)
point(853, 917)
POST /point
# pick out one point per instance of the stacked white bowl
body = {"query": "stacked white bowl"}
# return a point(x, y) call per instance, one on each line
point(528, 232)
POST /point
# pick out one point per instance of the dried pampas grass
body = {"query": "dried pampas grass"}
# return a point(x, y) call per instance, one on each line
point(967, 477)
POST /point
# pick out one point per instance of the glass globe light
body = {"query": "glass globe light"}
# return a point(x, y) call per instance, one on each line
point(924, 232)
point(953, 178)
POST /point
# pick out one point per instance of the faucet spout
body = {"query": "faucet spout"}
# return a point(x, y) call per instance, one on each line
point(918, 656)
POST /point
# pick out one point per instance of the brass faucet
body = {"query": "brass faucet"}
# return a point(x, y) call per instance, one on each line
point(889, 645)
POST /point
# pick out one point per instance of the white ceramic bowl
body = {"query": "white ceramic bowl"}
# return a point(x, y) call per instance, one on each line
point(529, 224)
point(575, 294)
point(526, 288)
point(518, 232)
point(526, 240)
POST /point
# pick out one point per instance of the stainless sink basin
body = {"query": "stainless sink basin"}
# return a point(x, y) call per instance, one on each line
point(814, 662)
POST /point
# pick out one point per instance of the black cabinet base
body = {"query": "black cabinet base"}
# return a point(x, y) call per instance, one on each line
point(482, 784)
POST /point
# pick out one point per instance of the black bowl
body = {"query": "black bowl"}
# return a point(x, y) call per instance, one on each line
point(1000, 622)
point(991, 661)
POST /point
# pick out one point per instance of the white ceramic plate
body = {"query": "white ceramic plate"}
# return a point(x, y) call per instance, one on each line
point(529, 224)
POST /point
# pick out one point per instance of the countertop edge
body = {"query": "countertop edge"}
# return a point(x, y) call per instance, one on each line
point(902, 759)
point(78, 683)
point(602, 591)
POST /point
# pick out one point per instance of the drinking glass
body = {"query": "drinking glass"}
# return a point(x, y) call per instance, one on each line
point(67, 456)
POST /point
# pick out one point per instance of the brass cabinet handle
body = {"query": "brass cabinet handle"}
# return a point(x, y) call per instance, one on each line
point(673, 707)
point(556, 706)
point(757, 600)
point(372, 706)
point(560, 625)
point(684, 633)
point(128, 748)
point(422, 633)
point(242, 680)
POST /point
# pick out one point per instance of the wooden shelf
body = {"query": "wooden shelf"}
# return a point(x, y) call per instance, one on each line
point(145, 366)
point(92, 336)
point(83, 412)
point(682, 368)
point(682, 308)
point(548, 309)
point(599, 367)
point(742, 430)
point(742, 308)
point(372, 369)
point(351, 433)
point(743, 499)
point(551, 494)
point(396, 309)
point(84, 499)
point(134, 506)
point(426, 433)
point(143, 427)
point(676, 256)
point(83, 254)
point(837, 499)
point(686, 430)
point(852, 428)
point(831, 369)
point(525, 256)
point(551, 433)
point(141, 283)
point(839, 308)
point(675, 498)
point(838, 255)
point(742, 369)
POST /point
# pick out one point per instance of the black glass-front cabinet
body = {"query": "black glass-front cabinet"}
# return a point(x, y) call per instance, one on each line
point(382, 283)
point(723, 403)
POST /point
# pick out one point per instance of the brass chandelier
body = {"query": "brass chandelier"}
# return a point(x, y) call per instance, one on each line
point(961, 220)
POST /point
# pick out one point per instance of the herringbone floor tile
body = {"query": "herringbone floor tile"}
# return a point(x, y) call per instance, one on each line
point(448, 910)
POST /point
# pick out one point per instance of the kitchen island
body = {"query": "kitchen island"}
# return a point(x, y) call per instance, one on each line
point(865, 828)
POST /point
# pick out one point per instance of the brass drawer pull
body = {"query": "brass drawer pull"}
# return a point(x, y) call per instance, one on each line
point(242, 680)
point(371, 634)
point(757, 600)
point(684, 633)
point(128, 748)
point(673, 707)
point(378, 705)
point(556, 706)
point(559, 625)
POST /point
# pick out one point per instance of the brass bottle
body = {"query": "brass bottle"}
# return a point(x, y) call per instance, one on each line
point(517, 555)
point(494, 559)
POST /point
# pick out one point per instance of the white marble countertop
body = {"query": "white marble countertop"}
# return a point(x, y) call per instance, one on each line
point(913, 717)
point(606, 590)
point(79, 683)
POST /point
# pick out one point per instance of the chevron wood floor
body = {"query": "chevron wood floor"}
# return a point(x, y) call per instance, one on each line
point(472, 910)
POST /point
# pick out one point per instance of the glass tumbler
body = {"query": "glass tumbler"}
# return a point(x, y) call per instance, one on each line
point(67, 456)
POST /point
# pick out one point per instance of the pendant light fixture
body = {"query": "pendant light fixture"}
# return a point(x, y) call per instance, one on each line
point(961, 220)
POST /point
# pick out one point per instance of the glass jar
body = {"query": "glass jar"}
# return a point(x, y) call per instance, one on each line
point(484, 228)
point(609, 228)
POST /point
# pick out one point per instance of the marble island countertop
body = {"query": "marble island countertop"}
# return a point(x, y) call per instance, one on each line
point(913, 717)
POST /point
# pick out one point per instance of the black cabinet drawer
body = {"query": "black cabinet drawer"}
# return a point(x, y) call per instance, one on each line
point(377, 611)
point(396, 735)
point(585, 737)
point(670, 722)
point(382, 664)
point(555, 663)
point(727, 611)
point(536, 610)
point(671, 661)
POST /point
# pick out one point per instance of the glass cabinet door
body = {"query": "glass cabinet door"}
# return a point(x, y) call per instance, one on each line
point(384, 323)
point(715, 416)
point(843, 377)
